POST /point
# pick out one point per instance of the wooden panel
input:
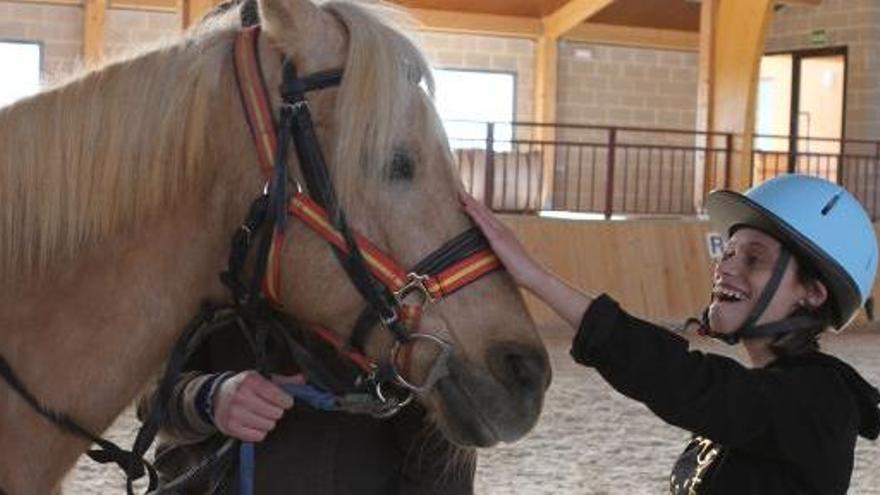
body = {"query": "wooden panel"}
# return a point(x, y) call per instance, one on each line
point(659, 270)
point(607, 34)
point(156, 5)
point(468, 23)
point(679, 15)
point(525, 8)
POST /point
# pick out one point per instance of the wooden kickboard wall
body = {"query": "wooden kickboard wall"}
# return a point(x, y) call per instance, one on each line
point(657, 269)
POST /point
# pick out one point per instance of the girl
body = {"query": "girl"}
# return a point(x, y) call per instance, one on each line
point(800, 258)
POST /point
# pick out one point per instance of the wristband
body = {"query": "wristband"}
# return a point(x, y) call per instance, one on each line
point(205, 396)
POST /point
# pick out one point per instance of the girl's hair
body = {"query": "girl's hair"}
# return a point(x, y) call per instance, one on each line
point(806, 341)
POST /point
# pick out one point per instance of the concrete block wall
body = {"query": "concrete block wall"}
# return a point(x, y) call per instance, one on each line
point(58, 28)
point(851, 23)
point(624, 86)
point(854, 24)
point(489, 53)
point(127, 30)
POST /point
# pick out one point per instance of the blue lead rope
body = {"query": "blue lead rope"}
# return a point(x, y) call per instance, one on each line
point(308, 394)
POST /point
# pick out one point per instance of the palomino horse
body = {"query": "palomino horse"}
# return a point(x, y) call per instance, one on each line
point(119, 192)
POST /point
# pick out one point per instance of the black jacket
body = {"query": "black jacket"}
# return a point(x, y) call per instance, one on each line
point(788, 428)
point(311, 451)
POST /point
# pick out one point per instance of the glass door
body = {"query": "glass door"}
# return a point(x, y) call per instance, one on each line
point(800, 114)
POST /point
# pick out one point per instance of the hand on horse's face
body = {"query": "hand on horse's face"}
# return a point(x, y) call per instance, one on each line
point(525, 271)
point(248, 406)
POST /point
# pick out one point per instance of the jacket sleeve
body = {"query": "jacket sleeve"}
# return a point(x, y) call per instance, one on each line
point(431, 464)
point(183, 424)
point(707, 394)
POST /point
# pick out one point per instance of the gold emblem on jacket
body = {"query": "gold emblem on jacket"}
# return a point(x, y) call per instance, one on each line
point(707, 452)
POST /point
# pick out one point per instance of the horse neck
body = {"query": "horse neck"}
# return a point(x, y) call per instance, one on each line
point(87, 340)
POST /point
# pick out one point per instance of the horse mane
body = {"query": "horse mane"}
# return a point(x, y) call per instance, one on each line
point(110, 150)
point(103, 152)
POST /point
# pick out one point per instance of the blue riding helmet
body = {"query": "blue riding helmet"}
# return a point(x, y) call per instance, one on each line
point(820, 222)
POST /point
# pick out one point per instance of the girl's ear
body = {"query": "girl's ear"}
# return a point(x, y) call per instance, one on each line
point(817, 293)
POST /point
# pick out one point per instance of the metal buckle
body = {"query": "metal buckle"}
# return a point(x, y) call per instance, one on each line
point(296, 106)
point(415, 283)
point(438, 370)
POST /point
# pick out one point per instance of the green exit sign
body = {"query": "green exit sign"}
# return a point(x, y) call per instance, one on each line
point(819, 37)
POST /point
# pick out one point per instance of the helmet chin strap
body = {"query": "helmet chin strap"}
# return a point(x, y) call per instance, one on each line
point(749, 330)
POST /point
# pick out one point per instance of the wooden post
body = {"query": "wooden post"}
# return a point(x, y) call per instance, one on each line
point(547, 62)
point(94, 15)
point(192, 11)
point(554, 25)
point(731, 45)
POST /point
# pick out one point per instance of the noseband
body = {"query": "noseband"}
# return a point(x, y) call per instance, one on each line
point(395, 296)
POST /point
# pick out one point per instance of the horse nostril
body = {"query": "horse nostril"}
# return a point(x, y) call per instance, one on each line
point(520, 367)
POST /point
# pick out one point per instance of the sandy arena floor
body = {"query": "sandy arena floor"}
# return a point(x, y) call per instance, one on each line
point(590, 439)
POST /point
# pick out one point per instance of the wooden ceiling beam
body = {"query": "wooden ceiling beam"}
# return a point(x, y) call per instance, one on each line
point(570, 15)
point(467, 23)
point(606, 34)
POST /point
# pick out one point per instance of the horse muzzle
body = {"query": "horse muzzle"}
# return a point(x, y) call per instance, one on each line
point(500, 402)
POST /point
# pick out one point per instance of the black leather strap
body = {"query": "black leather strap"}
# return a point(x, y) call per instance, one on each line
point(296, 117)
point(130, 462)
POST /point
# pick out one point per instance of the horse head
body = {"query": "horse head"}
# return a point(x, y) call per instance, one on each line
point(392, 168)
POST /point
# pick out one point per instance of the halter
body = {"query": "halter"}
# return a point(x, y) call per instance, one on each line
point(386, 285)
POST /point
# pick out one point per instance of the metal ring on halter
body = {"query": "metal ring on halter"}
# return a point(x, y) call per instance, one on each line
point(438, 370)
point(385, 400)
point(415, 283)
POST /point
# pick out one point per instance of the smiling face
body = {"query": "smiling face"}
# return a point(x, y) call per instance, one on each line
point(740, 277)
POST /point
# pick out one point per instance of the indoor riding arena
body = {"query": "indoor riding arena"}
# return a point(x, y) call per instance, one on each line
point(594, 129)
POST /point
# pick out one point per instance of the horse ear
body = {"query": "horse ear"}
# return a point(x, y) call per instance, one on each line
point(299, 26)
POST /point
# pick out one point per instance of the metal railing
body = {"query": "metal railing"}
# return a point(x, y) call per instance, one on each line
point(852, 163)
point(609, 171)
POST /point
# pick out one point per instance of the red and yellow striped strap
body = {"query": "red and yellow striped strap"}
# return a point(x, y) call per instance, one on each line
point(262, 124)
point(362, 361)
point(383, 267)
point(255, 99)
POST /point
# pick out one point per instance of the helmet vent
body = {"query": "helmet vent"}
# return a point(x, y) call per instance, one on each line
point(830, 204)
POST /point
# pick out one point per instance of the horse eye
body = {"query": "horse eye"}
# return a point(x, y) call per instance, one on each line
point(402, 167)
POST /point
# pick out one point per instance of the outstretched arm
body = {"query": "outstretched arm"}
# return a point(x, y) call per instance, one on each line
point(568, 302)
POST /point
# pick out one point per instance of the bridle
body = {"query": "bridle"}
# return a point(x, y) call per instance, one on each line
point(386, 286)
